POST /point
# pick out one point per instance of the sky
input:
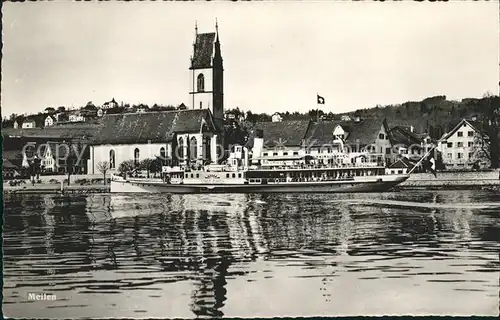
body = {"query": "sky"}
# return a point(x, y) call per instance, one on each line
point(277, 55)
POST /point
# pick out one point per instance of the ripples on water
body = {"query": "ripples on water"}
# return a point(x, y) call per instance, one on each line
point(252, 255)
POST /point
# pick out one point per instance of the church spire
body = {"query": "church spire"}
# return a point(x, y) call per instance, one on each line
point(217, 29)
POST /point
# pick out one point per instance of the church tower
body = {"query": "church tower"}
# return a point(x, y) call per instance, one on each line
point(207, 84)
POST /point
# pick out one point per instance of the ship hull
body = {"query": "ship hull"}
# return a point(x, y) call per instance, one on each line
point(372, 184)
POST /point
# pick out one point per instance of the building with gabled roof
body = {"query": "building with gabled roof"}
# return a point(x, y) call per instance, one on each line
point(33, 121)
point(401, 166)
point(460, 147)
point(177, 137)
point(278, 142)
point(276, 117)
point(407, 142)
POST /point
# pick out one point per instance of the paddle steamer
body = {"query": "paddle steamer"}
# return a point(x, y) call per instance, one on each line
point(363, 177)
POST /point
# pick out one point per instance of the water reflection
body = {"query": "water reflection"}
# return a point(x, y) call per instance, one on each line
point(108, 245)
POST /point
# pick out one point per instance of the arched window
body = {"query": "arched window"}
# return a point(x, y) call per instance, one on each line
point(136, 156)
point(111, 159)
point(201, 82)
point(193, 148)
point(180, 148)
point(163, 154)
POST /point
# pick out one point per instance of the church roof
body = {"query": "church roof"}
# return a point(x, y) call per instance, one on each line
point(203, 50)
point(151, 127)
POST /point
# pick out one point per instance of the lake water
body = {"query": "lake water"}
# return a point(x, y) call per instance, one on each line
point(252, 255)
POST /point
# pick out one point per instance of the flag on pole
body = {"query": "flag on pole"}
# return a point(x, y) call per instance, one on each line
point(320, 99)
point(431, 163)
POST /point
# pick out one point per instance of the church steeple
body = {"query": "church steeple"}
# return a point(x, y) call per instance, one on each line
point(216, 30)
point(207, 86)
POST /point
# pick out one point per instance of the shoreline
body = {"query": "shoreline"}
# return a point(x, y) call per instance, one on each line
point(416, 186)
point(56, 189)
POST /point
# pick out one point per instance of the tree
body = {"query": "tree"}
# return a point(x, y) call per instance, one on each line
point(90, 106)
point(50, 110)
point(103, 167)
point(489, 125)
point(61, 109)
point(126, 166)
point(481, 152)
point(151, 166)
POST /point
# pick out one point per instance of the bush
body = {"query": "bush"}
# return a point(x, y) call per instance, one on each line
point(16, 182)
point(39, 181)
point(53, 181)
point(82, 182)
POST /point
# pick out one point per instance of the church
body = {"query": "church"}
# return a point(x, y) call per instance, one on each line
point(179, 137)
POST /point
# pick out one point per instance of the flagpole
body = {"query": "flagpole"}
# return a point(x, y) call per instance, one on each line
point(421, 159)
point(317, 107)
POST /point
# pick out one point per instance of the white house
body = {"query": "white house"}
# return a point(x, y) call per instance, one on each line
point(276, 117)
point(458, 147)
point(76, 117)
point(179, 137)
point(345, 118)
point(401, 166)
point(49, 121)
point(29, 123)
point(110, 104)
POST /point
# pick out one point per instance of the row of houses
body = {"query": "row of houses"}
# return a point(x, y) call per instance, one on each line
point(195, 137)
point(44, 120)
point(88, 113)
point(278, 117)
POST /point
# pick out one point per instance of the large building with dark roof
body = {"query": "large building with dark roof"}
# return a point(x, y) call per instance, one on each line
point(176, 137)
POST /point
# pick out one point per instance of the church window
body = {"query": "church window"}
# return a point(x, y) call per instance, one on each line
point(136, 156)
point(201, 105)
point(180, 148)
point(201, 83)
point(112, 159)
point(193, 151)
point(163, 155)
